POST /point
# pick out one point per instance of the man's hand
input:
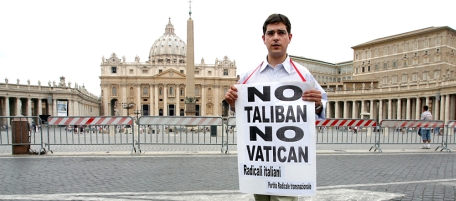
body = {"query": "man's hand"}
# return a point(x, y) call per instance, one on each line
point(231, 96)
point(315, 96)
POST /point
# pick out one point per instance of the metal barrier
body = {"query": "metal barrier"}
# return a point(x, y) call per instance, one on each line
point(405, 132)
point(90, 130)
point(162, 130)
point(450, 130)
point(29, 125)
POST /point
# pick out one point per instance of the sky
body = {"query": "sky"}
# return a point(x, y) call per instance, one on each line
point(46, 39)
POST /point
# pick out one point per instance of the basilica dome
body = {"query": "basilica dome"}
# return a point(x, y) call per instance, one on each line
point(168, 44)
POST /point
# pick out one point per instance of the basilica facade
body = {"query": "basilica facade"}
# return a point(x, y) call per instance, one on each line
point(157, 86)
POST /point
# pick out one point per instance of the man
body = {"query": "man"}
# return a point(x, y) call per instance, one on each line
point(278, 67)
point(426, 132)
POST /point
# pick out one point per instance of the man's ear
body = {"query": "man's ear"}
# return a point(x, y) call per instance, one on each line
point(263, 38)
point(290, 36)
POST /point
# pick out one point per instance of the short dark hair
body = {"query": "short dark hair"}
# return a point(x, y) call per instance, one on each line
point(425, 108)
point(276, 18)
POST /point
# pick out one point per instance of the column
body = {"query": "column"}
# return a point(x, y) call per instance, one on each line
point(355, 110)
point(217, 102)
point(7, 111)
point(337, 110)
point(124, 99)
point(18, 106)
point(447, 104)
point(390, 115)
point(151, 100)
point(40, 107)
point(54, 107)
point(407, 115)
point(328, 110)
point(442, 107)
point(399, 109)
point(427, 101)
point(203, 100)
point(436, 109)
point(345, 109)
point(29, 107)
point(177, 95)
point(380, 111)
point(165, 100)
point(138, 97)
point(363, 110)
point(418, 108)
point(371, 110)
point(156, 100)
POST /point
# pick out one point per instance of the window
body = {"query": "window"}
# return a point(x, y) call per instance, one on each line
point(113, 69)
point(145, 91)
point(437, 58)
point(404, 78)
point(415, 61)
point(426, 59)
point(404, 48)
point(437, 41)
point(171, 90)
point(225, 71)
point(364, 55)
point(160, 71)
point(131, 71)
point(394, 79)
point(181, 92)
point(376, 53)
point(197, 72)
point(395, 49)
point(356, 71)
point(426, 42)
point(385, 80)
point(209, 73)
point(131, 91)
point(436, 75)
point(376, 67)
point(414, 77)
point(385, 51)
point(394, 64)
point(369, 54)
point(415, 45)
point(160, 91)
point(196, 91)
point(385, 65)
point(425, 75)
point(404, 63)
point(362, 69)
point(114, 91)
point(356, 57)
point(145, 71)
point(181, 71)
point(368, 68)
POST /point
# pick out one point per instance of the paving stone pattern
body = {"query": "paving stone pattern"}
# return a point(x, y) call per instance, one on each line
point(419, 176)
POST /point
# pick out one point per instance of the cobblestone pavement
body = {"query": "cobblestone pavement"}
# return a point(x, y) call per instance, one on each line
point(341, 176)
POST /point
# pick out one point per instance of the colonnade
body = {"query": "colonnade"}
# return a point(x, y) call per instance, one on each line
point(442, 107)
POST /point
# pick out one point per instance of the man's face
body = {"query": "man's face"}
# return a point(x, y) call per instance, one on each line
point(276, 39)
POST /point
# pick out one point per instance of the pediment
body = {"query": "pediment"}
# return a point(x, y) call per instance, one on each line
point(170, 73)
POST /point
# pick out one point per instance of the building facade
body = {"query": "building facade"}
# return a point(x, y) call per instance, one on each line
point(393, 77)
point(55, 99)
point(157, 87)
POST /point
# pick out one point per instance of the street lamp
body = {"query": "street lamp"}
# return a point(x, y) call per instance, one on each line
point(137, 112)
point(128, 106)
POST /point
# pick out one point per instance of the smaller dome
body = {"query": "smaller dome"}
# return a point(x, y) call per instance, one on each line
point(168, 44)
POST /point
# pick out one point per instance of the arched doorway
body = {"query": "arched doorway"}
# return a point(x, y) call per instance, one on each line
point(114, 109)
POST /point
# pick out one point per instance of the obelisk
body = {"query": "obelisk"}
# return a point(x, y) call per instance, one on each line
point(190, 100)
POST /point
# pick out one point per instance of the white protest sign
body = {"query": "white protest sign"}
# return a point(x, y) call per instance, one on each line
point(276, 139)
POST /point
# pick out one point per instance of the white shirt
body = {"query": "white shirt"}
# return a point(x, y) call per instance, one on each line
point(284, 72)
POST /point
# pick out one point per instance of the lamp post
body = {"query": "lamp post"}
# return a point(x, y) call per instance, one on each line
point(128, 106)
point(137, 112)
